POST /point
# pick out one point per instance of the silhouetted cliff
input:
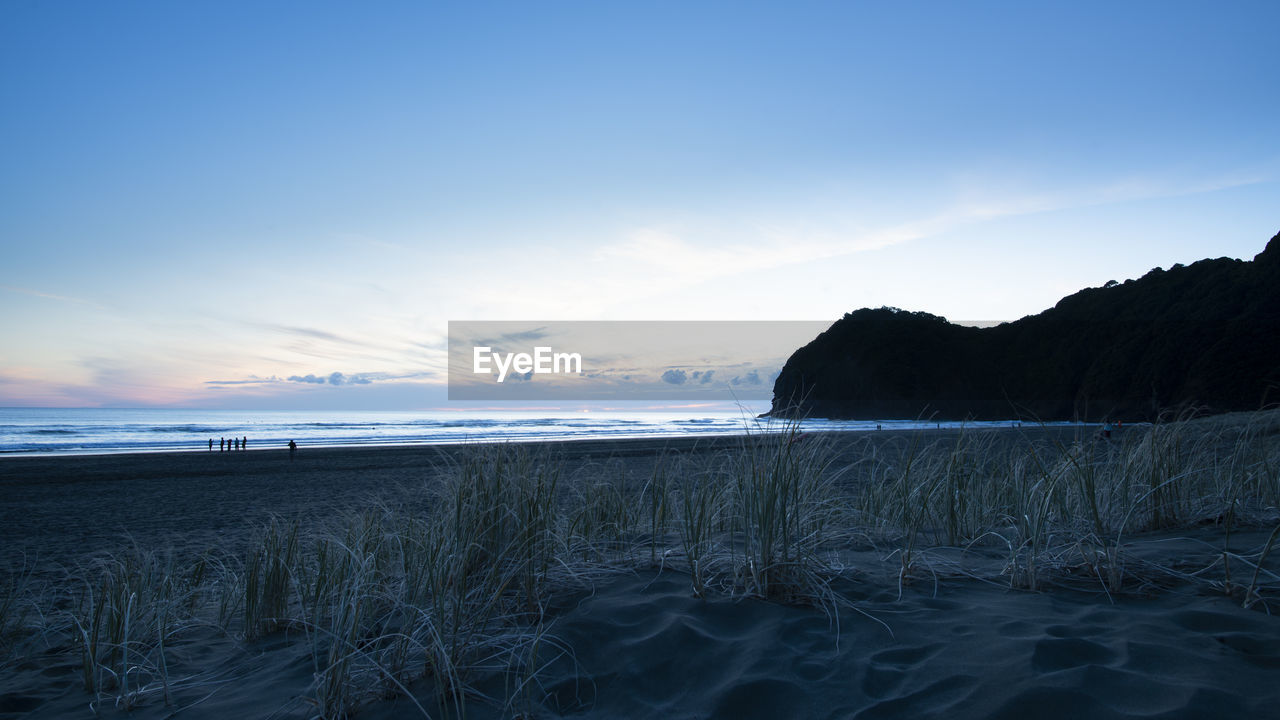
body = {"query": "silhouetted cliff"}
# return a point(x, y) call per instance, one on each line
point(1206, 335)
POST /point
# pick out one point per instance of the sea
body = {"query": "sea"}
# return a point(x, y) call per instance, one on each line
point(31, 431)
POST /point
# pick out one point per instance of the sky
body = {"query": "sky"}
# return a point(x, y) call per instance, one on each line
point(202, 200)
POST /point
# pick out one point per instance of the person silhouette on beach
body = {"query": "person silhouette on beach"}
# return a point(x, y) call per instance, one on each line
point(293, 450)
point(222, 444)
point(210, 444)
point(244, 443)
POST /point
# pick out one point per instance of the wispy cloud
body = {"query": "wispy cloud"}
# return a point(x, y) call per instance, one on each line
point(672, 256)
point(513, 338)
point(252, 380)
point(47, 295)
point(306, 332)
point(364, 346)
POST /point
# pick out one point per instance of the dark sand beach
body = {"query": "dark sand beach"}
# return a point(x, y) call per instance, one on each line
point(872, 616)
point(64, 506)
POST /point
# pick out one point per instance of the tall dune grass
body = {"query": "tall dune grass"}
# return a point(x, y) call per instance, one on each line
point(1040, 499)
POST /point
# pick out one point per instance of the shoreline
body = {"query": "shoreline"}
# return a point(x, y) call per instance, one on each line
point(67, 433)
point(955, 427)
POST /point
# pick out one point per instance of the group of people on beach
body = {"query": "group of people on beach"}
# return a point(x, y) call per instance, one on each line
point(242, 443)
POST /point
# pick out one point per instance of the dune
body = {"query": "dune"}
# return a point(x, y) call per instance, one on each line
point(857, 575)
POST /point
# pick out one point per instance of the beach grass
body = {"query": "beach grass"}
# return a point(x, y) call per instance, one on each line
point(455, 604)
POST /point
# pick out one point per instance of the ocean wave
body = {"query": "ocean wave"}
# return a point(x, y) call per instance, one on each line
point(342, 424)
point(82, 432)
point(184, 429)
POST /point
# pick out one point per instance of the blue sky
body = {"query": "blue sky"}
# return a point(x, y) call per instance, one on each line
point(199, 194)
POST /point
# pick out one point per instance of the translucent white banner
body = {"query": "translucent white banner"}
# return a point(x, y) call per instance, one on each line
point(624, 360)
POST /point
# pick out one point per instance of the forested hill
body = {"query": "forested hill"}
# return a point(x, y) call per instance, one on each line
point(1205, 335)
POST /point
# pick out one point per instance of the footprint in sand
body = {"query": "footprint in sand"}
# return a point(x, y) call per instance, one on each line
point(888, 668)
point(1053, 654)
point(1210, 622)
point(934, 700)
point(1019, 630)
point(1253, 648)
